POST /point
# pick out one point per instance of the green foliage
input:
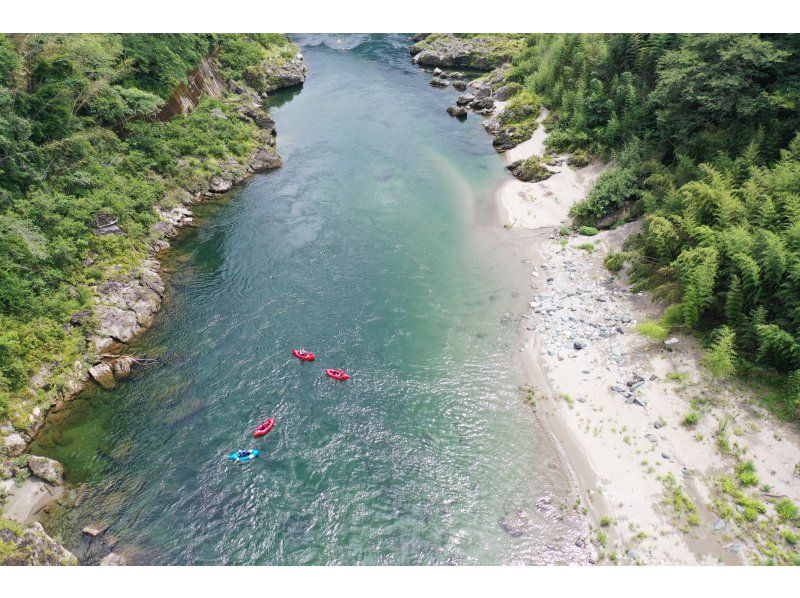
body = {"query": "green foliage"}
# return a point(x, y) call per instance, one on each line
point(74, 142)
point(652, 329)
point(613, 188)
point(588, 247)
point(702, 129)
point(746, 473)
point(720, 357)
point(690, 418)
point(787, 510)
point(588, 231)
point(615, 261)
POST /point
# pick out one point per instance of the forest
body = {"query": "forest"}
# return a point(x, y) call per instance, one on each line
point(79, 137)
point(703, 135)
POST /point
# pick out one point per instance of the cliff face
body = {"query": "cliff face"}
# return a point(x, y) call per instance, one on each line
point(205, 79)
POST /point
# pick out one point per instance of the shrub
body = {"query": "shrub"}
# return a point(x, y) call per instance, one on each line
point(615, 261)
point(588, 231)
point(605, 521)
point(690, 418)
point(746, 473)
point(652, 329)
point(787, 510)
point(565, 231)
point(586, 247)
point(720, 357)
point(579, 159)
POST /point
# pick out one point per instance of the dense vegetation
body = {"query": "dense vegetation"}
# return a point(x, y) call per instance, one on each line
point(78, 138)
point(703, 130)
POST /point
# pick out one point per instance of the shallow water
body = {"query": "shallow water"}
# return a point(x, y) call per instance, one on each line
point(376, 246)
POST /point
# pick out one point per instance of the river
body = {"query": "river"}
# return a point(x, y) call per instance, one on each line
point(377, 246)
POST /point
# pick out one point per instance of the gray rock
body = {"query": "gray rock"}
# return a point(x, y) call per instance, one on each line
point(671, 341)
point(480, 103)
point(437, 72)
point(122, 366)
point(437, 82)
point(266, 159)
point(633, 554)
point(284, 74)
point(719, 525)
point(652, 438)
point(658, 424)
point(465, 99)
point(457, 111)
point(219, 184)
point(580, 343)
point(459, 85)
point(667, 456)
point(103, 375)
point(49, 470)
point(640, 401)
point(14, 444)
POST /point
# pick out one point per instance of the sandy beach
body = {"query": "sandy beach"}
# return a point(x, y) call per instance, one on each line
point(614, 400)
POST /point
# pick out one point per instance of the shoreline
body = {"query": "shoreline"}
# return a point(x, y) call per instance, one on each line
point(626, 465)
point(125, 308)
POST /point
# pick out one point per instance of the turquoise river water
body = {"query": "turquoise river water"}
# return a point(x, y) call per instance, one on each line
point(376, 246)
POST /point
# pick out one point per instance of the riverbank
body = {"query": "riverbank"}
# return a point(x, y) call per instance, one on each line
point(127, 298)
point(674, 467)
point(616, 401)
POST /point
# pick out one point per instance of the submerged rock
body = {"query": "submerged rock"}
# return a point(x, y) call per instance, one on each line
point(113, 560)
point(436, 82)
point(459, 85)
point(94, 530)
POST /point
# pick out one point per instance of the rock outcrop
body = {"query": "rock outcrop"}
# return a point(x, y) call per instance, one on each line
point(33, 547)
point(484, 52)
point(281, 75)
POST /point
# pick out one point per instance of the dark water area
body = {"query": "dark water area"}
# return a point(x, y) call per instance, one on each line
point(377, 247)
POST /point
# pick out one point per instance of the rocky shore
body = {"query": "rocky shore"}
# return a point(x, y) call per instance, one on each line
point(125, 304)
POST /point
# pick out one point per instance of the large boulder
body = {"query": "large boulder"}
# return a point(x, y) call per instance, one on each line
point(103, 375)
point(465, 99)
point(220, 184)
point(280, 75)
point(49, 470)
point(457, 111)
point(14, 444)
point(266, 159)
point(122, 366)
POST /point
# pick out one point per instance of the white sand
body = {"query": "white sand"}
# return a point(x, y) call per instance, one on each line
point(619, 470)
point(545, 203)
